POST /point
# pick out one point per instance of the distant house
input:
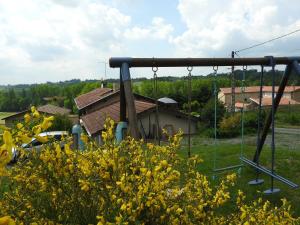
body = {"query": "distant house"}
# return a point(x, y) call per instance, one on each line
point(45, 109)
point(250, 97)
point(95, 106)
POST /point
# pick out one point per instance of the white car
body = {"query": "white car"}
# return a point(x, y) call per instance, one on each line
point(37, 145)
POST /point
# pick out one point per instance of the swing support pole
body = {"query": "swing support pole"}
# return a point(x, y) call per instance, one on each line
point(289, 68)
point(126, 90)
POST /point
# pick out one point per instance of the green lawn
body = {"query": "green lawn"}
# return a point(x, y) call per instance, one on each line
point(228, 152)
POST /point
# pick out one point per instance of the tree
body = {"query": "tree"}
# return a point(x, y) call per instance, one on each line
point(61, 123)
point(207, 115)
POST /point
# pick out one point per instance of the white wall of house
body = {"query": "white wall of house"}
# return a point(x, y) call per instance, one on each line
point(296, 95)
point(226, 98)
point(269, 95)
point(222, 97)
point(168, 121)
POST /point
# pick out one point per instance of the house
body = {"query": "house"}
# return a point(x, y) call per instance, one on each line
point(250, 96)
point(267, 102)
point(48, 109)
point(93, 100)
point(95, 106)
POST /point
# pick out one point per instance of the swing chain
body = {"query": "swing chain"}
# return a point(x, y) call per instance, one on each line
point(155, 69)
point(189, 69)
point(215, 68)
point(215, 92)
point(243, 80)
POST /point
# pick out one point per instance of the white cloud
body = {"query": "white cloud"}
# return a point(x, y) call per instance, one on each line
point(44, 40)
point(158, 29)
point(43, 35)
point(215, 27)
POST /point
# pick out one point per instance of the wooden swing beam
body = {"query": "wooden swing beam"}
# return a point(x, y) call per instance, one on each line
point(184, 62)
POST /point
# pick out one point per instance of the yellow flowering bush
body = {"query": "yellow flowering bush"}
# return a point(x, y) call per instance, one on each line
point(127, 183)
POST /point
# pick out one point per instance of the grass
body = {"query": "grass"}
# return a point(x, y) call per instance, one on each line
point(3, 185)
point(228, 152)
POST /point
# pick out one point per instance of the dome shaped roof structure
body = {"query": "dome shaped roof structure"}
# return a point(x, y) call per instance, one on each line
point(167, 100)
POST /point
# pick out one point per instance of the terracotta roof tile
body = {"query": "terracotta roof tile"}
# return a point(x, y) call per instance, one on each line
point(240, 105)
point(268, 101)
point(93, 122)
point(257, 89)
point(93, 96)
point(52, 109)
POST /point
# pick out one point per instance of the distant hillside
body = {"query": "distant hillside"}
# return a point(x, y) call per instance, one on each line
point(19, 97)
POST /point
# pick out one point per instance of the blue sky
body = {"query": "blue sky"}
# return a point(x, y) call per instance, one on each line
point(55, 40)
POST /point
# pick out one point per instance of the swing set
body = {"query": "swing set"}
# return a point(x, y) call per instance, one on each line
point(127, 102)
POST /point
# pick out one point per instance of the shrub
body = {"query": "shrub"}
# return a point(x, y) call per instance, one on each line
point(129, 183)
point(61, 123)
point(195, 107)
point(251, 122)
point(289, 118)
point(230, 126)
point(207, 115)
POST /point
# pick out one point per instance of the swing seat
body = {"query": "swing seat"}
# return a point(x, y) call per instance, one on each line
point(228, 168)
point(271, 191)
point(256, 182)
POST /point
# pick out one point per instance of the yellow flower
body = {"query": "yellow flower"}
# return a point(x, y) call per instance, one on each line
point(84, 185)
point(42, 139)
point(27, 118)
point(33, 109)
point(6, 148)
point(179, 210)
point(7, 220)
point(58, 151)
point(20, 126)
point(124, 183)
point(164, 163)
point(25, 139)
point(37, 129)
point(47, 122)
point(67, 149)
point(7, 138)
point(35, 113)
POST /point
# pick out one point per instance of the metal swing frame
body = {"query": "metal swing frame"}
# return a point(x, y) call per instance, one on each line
point(215, 92)
point(127, 99)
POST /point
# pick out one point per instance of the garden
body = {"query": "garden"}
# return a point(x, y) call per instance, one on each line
point(129, 183)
